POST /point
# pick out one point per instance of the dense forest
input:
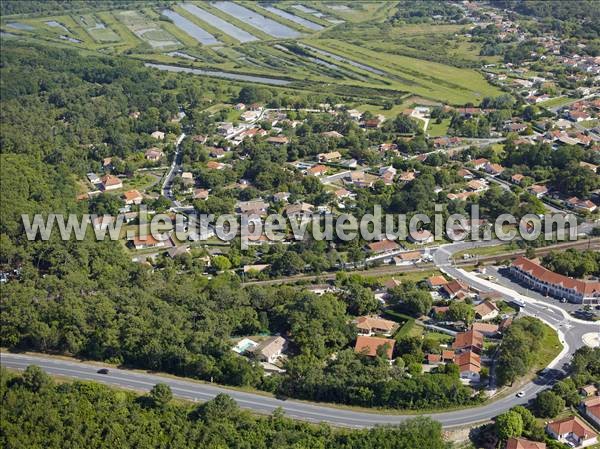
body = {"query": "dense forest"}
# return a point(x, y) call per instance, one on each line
point(81, 415)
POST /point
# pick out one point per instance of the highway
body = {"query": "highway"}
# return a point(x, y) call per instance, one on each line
point(570, 330)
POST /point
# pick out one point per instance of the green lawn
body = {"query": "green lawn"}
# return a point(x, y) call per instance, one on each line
point(550, 348)
point(438, 129)
point(555, 102)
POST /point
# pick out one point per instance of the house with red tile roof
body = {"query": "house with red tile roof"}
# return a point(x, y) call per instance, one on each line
point(454, 288)
point(110, 182)
point(370, 324)
point(469, 365)
point(317, 170)
point(436, 281)
point(553, 284)
point(486, 329)
point(383, 246)
point(470, 340)
point(591, 407)
point(370, 345)
point(480, 163)
point(493, 169)
point(486, 311)
point(132, 197)
point(522, 443)
point(572, 430)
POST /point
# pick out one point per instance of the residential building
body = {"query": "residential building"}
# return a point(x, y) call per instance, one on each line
point(581, 205)
point(538, 190)
point(522, 443)
point(553, 284)
point(332, 134)
point(299, 210)
point(317, 170)
point(421, 237)
point(479, 164)
point(147, 241)
point(517, 178)
point(110, 182)
point(133, 197)
point(436, 282)
point(486, 311)
point(591, 407)
point(469, 365)
point(486, 329)
point(201, 194)
point(153, 154)
point(370, 324)
point(470, 340)
point(383, 247)
point(93, 178)
point(158, 135)
point(329, 157)
point(369, 345)
point(278, 140)
point(455, 289)
point(572, 431)
point(270, 349)
point(493, 169)
point(589, 390)
point(408, 258)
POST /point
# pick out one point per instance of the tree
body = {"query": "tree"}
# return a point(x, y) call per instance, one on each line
point(509, 424)
point(567, 390)
point(360, 300)
point(161, 395)
point(410, 299)
point(221, 263)
point(548, 404)
point(36, 379)
point(461, 311)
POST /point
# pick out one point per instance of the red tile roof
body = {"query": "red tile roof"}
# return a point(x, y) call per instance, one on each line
point(369, 345)
point(470, 338)
point(586, 288)
point(572, 425)
point(522, 443)
point(468, 361)
point(383, 246)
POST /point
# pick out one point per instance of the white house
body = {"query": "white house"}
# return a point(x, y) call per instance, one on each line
point(572, 431)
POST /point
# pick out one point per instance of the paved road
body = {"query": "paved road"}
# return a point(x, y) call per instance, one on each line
point(175, 166)
point(195, 391)
point(570, 332)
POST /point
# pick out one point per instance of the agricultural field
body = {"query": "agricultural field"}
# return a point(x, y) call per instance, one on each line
point(351, 47)
point(97, 29)
point(148, 30)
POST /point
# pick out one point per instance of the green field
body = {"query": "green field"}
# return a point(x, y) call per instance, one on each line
point(428, 79)
point(98, 30)
point(394, 56)
point(148, 30)
point(438, 129)
point(556, 102)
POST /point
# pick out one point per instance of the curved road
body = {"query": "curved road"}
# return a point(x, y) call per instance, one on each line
point(570, 331)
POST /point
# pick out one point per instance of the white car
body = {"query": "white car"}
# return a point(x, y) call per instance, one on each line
point(520, 394)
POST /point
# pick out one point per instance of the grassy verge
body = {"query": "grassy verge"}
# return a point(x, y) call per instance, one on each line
point(438, 129)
